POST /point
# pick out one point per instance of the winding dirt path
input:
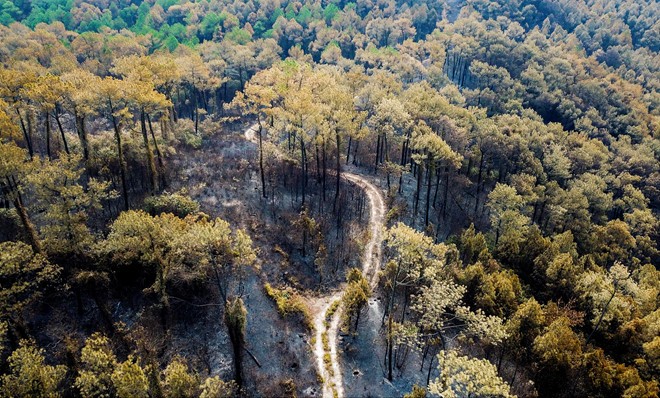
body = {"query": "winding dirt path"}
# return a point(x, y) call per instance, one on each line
point(333, 385)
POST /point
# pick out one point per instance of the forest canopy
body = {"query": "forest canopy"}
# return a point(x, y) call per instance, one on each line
point(460, 197)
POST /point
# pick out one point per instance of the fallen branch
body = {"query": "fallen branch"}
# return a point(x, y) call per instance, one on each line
point(253, 357)
point(196, 305)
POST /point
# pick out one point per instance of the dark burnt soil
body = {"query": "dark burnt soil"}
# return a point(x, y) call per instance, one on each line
point(223, 176)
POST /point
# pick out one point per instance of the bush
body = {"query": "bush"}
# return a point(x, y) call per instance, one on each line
point(289, 387)
point(178, 203)
point(184, 131)
point(289, 303)
point(11, 227)
point(209, 127)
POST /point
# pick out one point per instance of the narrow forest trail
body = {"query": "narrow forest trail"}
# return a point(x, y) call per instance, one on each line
point(333, 385)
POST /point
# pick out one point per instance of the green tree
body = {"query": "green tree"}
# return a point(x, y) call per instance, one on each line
point(180, 251)
point(510, 225)
point(434, 150)
point(257, 99)
point(98, 366)
point(144, 75)
point(13, 168)
point(558, 345)
point(178, 381)
point(461, 376)
point(47, 93)
point(214, 387)
point(25, 276)
point(441, 311)
point(65, 204)
point(129, 380)
point(236, 320)
point(30, 376)
point(80, 98)
point(113, 102)
point(355, 298)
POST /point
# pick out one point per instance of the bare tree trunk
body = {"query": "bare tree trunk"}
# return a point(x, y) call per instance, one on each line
point(325, 171)
point(82, 134)
point(476, 196)
point(59, 126)
point(429, 178)
point(164, 121)
point(303, 157)
point(318, 162)
point(428, 375)
point(420, 172)
point(261, 161)
point(445, 199)
point(377, 154)
point(120, 156)
point(48, 134)
point(159, 155)
point(602, 315)
point(338, 165)
point(11, 190)
point(196, 111)
point(403, 151)
point(26, 134)
point(235, 318)
point(30, 128)
point(153, 173)
point(389, 348)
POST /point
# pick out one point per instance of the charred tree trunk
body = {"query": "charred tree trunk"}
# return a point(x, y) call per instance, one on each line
point(428, 375)
point(196, 110)
point(420, 173)
point(318, 162)
point(82, 135)
point(445, 199)
point(153, 173)
point(325, 170)
point(338, 166)
point(303, 159)
point(48, 134)
point(120, 156)
point(30, 128)
point(476, 196)
point(10, 190)
point(59, 126)
point(403, 151)
point(390, 348)
point(159, 155)
point(602, 314)
point(429, 179)
point(236, 319)
point(26, 135)
point(261, 161)
point(377, 154)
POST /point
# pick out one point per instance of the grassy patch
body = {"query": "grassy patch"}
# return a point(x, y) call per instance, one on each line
point(327, 360)
point(325, 341)
point(289, 303)
point(332, 310)
point(178, 203)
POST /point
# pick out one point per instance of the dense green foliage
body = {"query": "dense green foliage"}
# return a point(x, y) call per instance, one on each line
point(519, 143)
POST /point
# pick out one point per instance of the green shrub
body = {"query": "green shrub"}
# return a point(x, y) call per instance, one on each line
point(289, 303)
point(184, 131)
point(177, 203)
